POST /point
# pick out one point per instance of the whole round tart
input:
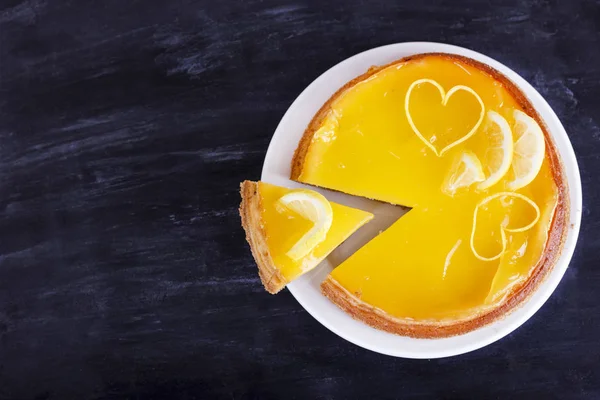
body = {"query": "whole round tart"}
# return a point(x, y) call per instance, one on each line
point(472, 151)
point(463, 147)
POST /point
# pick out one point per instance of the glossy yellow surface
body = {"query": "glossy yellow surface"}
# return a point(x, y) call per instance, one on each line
point(423, 267)
point(284, 228)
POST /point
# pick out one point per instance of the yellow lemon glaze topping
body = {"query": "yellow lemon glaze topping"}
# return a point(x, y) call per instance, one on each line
point(447, 139)
point(289, 220)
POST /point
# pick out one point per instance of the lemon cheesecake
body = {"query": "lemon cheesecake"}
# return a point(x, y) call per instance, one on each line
point(290, 231)
point(459, 144)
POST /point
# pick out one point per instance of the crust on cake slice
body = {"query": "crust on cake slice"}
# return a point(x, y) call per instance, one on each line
point(250, 207)
point(377, 318)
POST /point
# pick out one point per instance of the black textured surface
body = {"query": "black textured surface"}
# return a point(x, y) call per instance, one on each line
point(125, 129)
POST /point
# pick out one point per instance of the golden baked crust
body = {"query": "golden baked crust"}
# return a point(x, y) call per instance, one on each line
point(250, 207)
point(557, 233)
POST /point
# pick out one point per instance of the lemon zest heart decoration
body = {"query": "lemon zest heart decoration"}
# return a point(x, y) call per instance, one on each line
point(503, 229)
point(445, 98)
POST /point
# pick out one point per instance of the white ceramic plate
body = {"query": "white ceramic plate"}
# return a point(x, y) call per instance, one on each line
point(276, 169)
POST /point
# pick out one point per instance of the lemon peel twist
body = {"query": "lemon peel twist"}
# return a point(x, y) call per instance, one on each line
point(503, 229)
point(445, 97)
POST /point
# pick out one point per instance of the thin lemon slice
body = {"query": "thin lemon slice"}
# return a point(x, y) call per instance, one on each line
point(314, 207)
point(465, 171)
point(499, 156)
point(503, 227)
point(530, 148)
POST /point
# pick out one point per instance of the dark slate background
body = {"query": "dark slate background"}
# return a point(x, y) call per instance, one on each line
point(125, 129)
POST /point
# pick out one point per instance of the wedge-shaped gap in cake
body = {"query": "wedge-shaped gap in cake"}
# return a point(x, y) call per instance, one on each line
point(384, 216)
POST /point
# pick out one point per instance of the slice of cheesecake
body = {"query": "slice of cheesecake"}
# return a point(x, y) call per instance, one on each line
point(290, 231)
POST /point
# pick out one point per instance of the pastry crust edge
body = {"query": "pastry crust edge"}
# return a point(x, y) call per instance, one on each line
point(272, 279)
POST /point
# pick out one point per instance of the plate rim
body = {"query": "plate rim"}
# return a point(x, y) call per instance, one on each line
point(473, 340)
